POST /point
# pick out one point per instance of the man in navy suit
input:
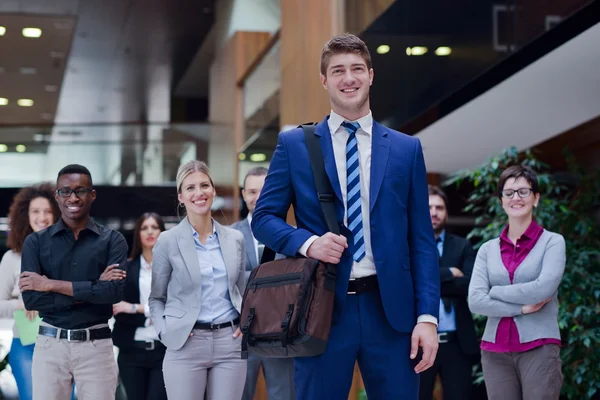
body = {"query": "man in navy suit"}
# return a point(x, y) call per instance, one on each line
point(388, 281)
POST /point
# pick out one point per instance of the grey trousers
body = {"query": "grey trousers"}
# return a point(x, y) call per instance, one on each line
point(209, 363)
point(58, 363)
point(534, 374)
point(279, 377)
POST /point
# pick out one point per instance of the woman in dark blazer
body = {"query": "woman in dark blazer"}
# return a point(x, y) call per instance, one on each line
point(140, 352)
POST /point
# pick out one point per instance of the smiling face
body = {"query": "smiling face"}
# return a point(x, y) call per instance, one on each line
point(517, 207)
point(75, 206)
point(40, 214)
point(149, 232)
point(251, 191)
point(197, 193)
point(347, 81)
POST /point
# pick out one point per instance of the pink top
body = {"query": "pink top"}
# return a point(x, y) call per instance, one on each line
point(507, 336)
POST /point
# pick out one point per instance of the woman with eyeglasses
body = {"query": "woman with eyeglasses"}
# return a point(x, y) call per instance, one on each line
point(515, 284)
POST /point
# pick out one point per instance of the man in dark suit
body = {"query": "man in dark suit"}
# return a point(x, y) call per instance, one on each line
point(459, 347)
point(278, 372)
point(387, 288)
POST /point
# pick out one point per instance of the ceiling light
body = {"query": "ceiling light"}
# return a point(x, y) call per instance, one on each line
point(28, 70)
point(50, 88)
point(32, 32)
point(20, 148)
point(25, 102)
point(258, 157)
point(383, 49)
point(3, 101)
point(443, 51)
point(2, 30)
point(3, 148)
point(416, 51)
point(242, 156)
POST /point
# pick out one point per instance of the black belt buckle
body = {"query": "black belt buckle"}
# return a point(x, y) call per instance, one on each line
point(72, 335)
point(151, 345)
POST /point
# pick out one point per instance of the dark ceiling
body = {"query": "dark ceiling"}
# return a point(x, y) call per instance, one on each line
point(120, 64)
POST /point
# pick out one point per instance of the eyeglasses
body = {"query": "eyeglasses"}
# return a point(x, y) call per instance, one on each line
point(80, 192)
point(522, 192)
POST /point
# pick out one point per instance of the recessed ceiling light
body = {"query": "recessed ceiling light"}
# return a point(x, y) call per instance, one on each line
point(25, 102)
point(2, 30)
point(3, 101)
point(258, 157)
point(50, 88)
point(32, 32)
point(443, 51)
point(242, 156)
point(21, 148)
point(28, 70)
point(3, 148)
point(383, 49)
point(416, 51)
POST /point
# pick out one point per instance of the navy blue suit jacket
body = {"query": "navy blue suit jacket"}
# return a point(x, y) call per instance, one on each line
point(402, 240)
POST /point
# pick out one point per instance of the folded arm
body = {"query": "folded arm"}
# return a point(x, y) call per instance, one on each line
point(479, 298)
point(459, 287)
point(546, 284)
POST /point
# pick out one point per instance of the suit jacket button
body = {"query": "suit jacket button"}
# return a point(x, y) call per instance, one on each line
point(347, 253)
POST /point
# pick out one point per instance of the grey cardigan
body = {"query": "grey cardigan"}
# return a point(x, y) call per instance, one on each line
point(536, 279)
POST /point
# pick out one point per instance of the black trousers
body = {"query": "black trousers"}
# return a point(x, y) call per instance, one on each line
point(455, 372)
point(141, 373)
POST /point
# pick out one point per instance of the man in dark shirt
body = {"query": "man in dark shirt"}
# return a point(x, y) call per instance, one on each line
point(62, 278)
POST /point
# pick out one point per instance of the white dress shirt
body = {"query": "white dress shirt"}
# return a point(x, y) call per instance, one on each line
point(147, 332)
point(249, 218)
point(339, 137)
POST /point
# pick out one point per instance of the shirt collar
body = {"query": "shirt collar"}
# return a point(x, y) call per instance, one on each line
point(335, 121)
point(532, 231)
point(61, 226)
point(145, 264)
point(196, 234)
point(442, 236)
point(249, 218)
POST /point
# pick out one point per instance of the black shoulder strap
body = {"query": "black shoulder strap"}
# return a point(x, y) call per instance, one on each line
point(324, 188)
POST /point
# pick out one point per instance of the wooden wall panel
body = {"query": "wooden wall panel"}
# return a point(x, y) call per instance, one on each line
point(360, 14)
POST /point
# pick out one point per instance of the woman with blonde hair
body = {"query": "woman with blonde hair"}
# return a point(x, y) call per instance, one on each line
point(196, 296)
point(515, 284)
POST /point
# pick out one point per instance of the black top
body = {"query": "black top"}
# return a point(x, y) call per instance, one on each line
point(55, 253)
point(126, 324)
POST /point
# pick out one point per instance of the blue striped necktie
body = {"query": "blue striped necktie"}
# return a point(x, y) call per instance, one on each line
point(353, 192)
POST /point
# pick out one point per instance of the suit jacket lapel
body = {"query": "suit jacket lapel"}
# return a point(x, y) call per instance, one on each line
point(322, 131)
point(187, 247)
point(230, 257)
point(249, 239)
point(380, 150)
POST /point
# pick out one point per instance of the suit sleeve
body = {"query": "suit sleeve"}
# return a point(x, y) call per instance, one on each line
point(241, 278)
point(161, 275)
point(44, 302)
point(479, 298)
point(546, 284)
point(423, 252)
point(459, 287)
point(269, 219)
point(105, 292)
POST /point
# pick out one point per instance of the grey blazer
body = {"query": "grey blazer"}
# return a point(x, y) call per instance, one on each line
point(251, 258)
point(176, 289)
point(536, 279)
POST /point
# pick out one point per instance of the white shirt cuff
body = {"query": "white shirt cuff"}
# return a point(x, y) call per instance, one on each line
point(146, 310)
point(304, 248)
point(427, 318)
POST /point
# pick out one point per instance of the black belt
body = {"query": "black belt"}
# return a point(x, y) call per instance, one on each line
point(150, 345)
point(366, 284)
point(76, 335)
point(213, 327)
point(446, 337)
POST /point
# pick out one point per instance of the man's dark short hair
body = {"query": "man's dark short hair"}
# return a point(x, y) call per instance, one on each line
point(75, 169)
point(256, 171)
point(437, 191)
point(516, 172)
point(345, 43)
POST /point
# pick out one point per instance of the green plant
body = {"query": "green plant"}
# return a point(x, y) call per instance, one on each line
point(566, 207)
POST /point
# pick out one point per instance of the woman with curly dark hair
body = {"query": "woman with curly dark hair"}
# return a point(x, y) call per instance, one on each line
point(32, 210)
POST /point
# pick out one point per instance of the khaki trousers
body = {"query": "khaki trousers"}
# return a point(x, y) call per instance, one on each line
point(58, 363)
